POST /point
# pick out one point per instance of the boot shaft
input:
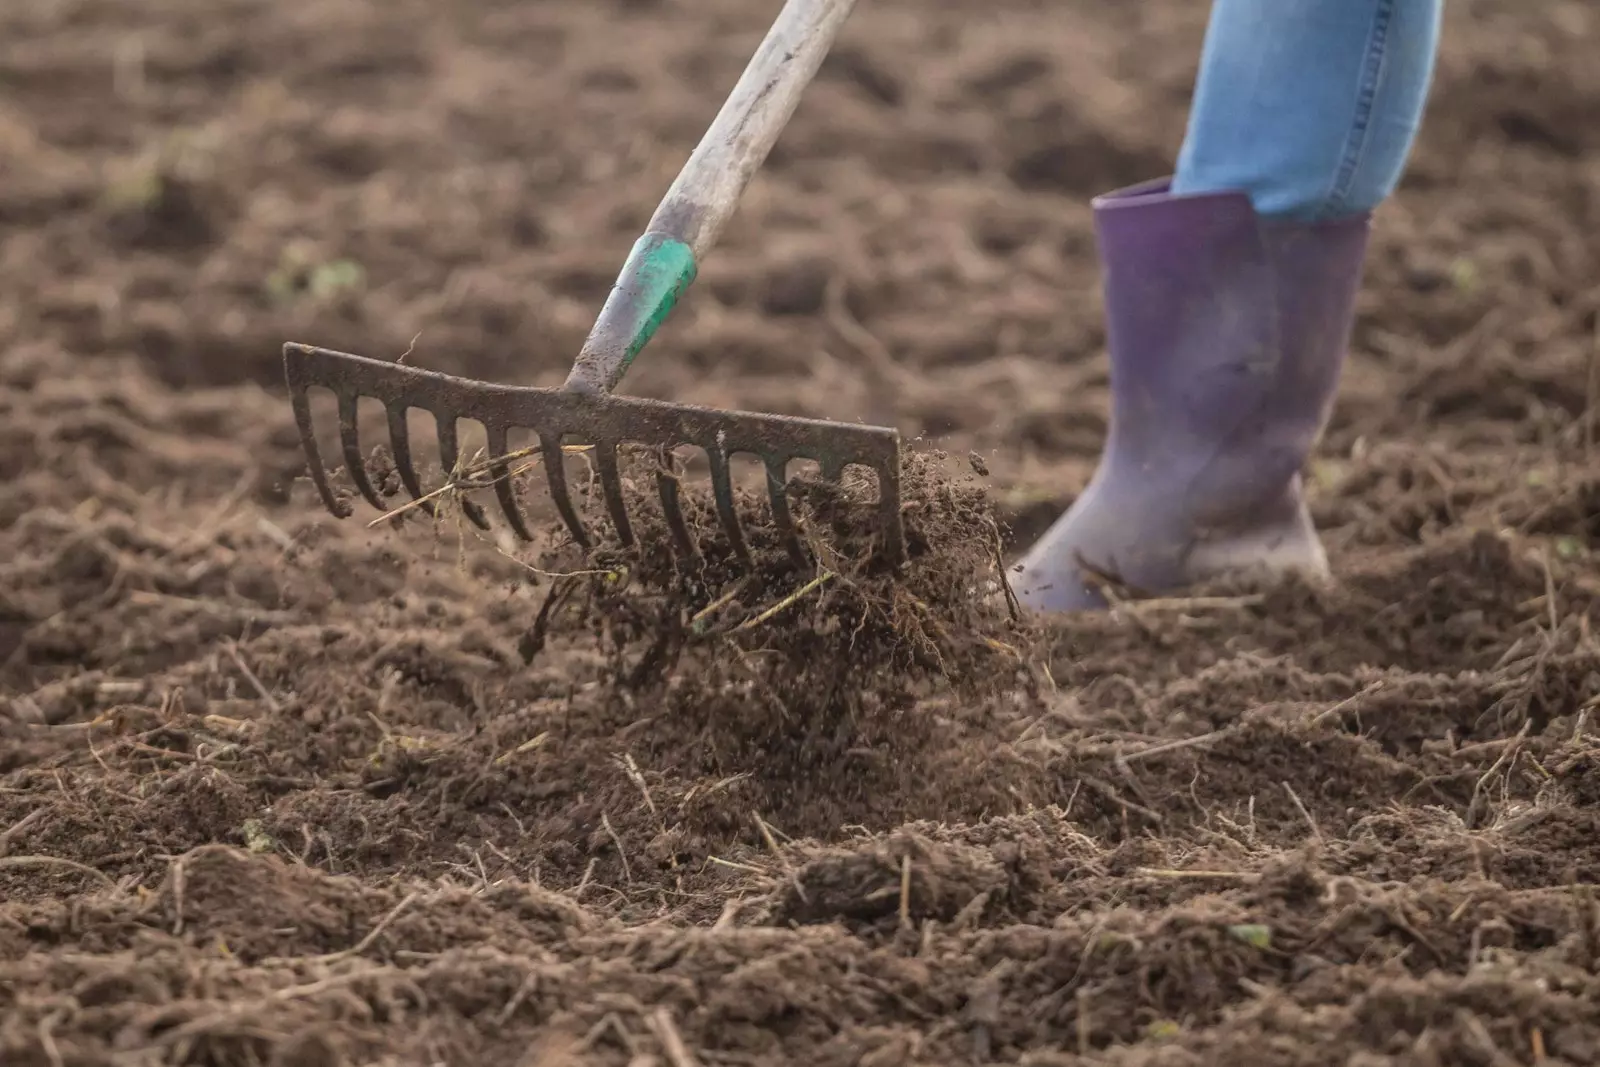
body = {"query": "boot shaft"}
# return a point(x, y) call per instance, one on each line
point(1227, 334)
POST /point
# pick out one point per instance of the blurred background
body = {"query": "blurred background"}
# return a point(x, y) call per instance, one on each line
point(189, 183)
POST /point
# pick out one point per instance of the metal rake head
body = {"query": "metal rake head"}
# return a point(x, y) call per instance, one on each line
point(602, 421)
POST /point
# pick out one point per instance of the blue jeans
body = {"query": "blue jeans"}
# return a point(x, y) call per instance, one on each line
point(1310, 106)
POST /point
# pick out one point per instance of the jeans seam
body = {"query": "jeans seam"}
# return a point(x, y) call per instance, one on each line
point(1371, 78)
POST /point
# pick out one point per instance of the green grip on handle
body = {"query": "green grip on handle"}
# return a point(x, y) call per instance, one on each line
point(658, 270)
point(664, 268)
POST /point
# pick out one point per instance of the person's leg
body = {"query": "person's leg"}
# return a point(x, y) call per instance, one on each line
point(1309, 106)
point(1229, 293)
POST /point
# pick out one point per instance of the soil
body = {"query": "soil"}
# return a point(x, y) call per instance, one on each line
point(280, 789)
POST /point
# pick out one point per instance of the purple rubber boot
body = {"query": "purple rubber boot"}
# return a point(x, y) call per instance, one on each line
point(1226, 334)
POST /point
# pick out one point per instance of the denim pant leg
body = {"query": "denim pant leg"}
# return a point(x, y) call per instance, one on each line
point(1310, 106)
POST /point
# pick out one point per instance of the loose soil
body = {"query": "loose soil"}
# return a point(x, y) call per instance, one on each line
point(278, 789)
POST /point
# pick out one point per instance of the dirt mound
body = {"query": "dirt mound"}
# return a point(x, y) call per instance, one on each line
point(815, 679)
point(277, 789)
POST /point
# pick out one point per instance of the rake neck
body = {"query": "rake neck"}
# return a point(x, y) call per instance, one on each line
point(658, 270)
point(703, 197)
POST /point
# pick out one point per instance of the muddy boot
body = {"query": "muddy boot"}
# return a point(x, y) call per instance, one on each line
point(1226, 335)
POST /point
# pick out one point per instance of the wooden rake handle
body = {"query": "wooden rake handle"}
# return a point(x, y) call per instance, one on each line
point(696, 209)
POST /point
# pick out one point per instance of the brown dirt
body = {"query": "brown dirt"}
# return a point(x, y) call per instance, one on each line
point(277, 789)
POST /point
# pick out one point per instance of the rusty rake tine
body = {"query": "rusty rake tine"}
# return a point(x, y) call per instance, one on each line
point(672, 506)
point(889, 519)
point(832, 469)
point(400, 446)
point(556, 471)
point(778, 497)
point(301, 402)
point(500, 471)
point(611, 485)
point(450, 455)
point(350, 444)
point(722, 490)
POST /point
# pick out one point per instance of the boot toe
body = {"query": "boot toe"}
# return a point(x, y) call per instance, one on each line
point(1050, 582)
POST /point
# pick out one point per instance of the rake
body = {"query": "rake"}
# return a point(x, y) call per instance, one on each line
point(583, 411)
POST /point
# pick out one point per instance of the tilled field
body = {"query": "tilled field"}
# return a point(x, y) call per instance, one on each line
point(281, 790)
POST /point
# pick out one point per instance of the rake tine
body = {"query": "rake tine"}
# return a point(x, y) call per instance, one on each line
point(832, 469)
point(500, 472)
point(722, 489)
point(778, 496)
point(400, 446)
point(350, 443)
point(893, 526)
point(672, 507)
point(301, 402)
point(611, 484)
point(450, 455)
point(556, 471)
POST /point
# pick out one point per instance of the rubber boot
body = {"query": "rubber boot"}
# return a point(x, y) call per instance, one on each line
point(1226, 334)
